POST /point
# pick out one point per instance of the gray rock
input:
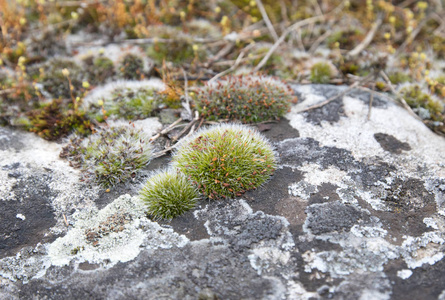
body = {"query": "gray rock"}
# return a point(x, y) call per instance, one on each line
point(356, 210)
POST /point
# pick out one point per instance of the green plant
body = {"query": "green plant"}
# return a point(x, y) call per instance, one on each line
point(245, 98)
point(111, 155)
point(56, 83)
point(127, 100)
point(54, 120)
point(99, 69)
point(398, 77)
point(132, 67)
point(422, 103)
point(179, 49)
point(226, 160)
point(168, 194)
point(321, 73)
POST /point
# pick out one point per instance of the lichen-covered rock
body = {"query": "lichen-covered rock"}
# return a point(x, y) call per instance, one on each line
point(355, 210)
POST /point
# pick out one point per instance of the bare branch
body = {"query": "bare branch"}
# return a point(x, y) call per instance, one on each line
point(267, 20)
point(367, 40)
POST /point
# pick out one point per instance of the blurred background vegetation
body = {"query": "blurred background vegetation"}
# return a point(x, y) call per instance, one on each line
point(53, 53)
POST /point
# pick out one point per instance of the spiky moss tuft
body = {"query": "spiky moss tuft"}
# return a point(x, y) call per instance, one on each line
point(111, 155)
point(226, 160)
point(168, 193)
point(321, 73)
point(248, 99)
point(132, 67)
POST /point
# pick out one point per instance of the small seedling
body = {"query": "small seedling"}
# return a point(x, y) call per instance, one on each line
point(226, 160)
point(168, 194)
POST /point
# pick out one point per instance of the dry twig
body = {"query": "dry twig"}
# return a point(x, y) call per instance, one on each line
point(401, 99)
point(266, 19)
point(367, 40)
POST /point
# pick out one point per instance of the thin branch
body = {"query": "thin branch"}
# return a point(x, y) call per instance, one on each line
point(267, 20)
point(401, 99)
point(371, 99)
point(166, 130)
point(367, 40)
point(186, 105)
point(283, 36)
point(339, 95)
point(232, 68)
point(413, 35)
point(319, 40)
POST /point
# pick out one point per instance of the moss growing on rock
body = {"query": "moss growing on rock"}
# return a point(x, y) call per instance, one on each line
point(55, 120)
point(168, 194)
point(424, 104)
point(111, 155)
point(321, 73)
point(99, 69)
point(127, 100)
point(132, 67)
point(245, 98)
point(56, 83)
point(226, 160)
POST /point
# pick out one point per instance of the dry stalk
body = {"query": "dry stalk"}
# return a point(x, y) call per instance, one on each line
point(266, 19)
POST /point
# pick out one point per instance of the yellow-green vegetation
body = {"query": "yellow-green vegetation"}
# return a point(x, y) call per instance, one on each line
point(248, 99)
point(111, 155)
point(226, 160)
point(168, 194)
point(426, 106)
point(127, 103)
point(398, 77)
point(321, 73)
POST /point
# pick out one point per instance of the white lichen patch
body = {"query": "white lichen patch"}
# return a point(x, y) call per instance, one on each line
point(356, 134)
point(405, 273)
point(426, 249)
point(313, 177)
point(262, 258)
point(122, 241)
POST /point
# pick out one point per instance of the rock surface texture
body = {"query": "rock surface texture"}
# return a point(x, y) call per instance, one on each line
point(356, 210)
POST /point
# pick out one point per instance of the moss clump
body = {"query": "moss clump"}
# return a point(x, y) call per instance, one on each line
point(127, 103)
point(100, 69)
point(321, 73)
point(398, 77)
point(180, 48)
point(111, 155)
point(56, 83)
point(168, 194)
point(424, 104)
point(226, 160)
point(54, 120)
point(248, 99)
point(132, 67)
